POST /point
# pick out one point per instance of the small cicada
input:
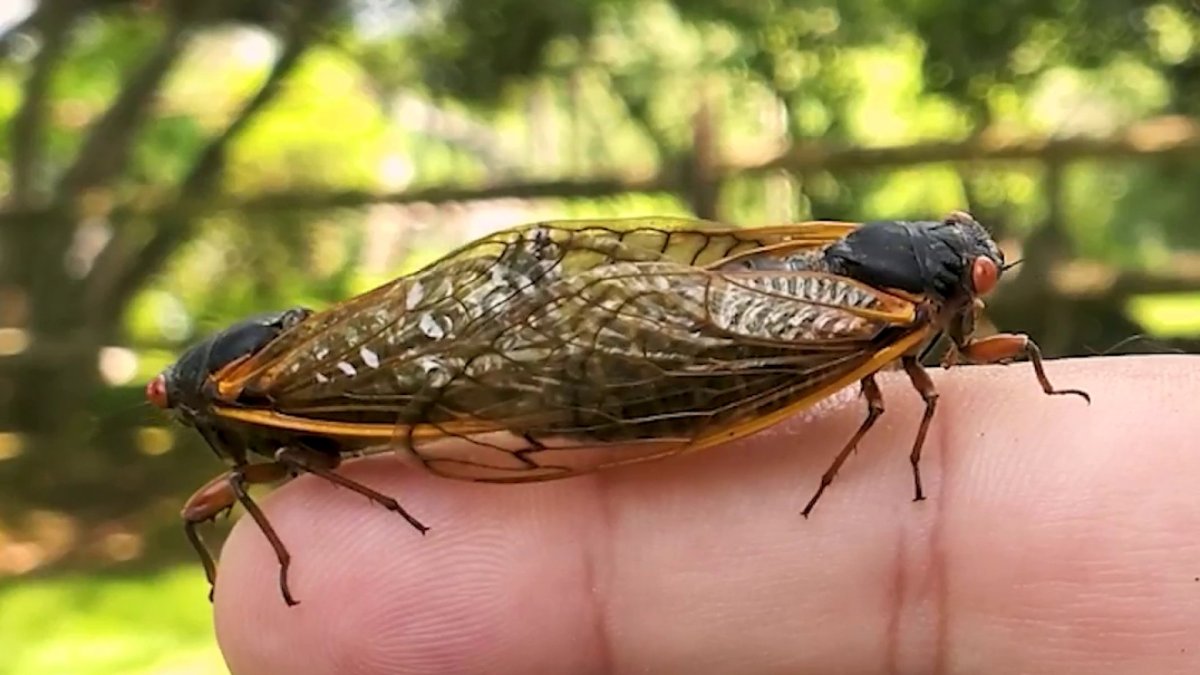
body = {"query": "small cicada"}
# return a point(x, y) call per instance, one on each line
point(561, 348)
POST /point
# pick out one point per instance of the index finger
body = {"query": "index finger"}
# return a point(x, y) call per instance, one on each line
point(1057, 536)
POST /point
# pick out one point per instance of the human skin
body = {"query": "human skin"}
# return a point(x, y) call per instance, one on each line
point(1057, 537)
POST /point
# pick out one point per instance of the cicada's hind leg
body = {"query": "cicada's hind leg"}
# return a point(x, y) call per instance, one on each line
point(218, 496)
point(874, 399)
point(924, 386)
point(324, 465)
point(1008, 347)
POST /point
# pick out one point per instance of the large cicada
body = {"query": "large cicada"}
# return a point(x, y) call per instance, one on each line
point(560, 348)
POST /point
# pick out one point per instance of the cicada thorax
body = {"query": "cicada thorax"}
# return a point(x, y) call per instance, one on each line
point(187, 386)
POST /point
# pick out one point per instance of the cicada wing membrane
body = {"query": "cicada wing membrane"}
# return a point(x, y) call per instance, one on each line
point(474, 283)
point(614, 363)
point(819, 391)
point(480, 451)
point(671, 368)
point(618, 364)
point(507, 456)
point(779, 242)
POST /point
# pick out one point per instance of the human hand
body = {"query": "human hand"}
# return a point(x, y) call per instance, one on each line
point(1057, 537)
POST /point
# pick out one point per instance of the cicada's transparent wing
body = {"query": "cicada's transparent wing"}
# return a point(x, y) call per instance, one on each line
point(553, 375)
point(701, 243)
point(665, 361)
point(468, 285)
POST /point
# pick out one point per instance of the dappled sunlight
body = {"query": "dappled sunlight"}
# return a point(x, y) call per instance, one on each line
point(13, 341)
point(118, 365)
point(117, 542)
point(11, 445)
point(40, 538)
point(154, 441)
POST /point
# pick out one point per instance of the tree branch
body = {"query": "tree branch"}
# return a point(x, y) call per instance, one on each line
point(1166, 136)
point(703, 183)
point(106, 147)
point(550, 189)
point(1158, 136)
point(113, 283)
point(100, 161)
point(52, 21)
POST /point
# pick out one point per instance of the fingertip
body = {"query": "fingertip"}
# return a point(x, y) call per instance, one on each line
point(376, 598)
point(696, 560)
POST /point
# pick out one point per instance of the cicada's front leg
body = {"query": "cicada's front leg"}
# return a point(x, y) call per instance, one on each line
point(951, 358)
point(1007, 347)
point(221, 493)
point(218, 496)
point(960, 332)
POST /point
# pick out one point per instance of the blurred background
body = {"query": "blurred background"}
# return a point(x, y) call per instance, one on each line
point(169, 167)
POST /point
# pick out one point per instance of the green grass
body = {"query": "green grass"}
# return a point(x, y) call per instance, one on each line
point(96, 625)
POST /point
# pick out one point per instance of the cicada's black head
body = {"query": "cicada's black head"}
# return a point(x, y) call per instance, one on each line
point(951, 261)
point(181, 386)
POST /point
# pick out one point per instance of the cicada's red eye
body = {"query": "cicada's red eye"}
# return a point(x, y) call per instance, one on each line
point(156, 392)
point(984, 275)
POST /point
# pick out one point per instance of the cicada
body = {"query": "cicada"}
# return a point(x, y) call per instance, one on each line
point(561, 348)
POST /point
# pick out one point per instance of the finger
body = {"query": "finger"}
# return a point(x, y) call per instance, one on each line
point(1057, 537)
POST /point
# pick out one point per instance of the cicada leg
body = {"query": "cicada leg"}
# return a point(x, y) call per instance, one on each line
point(950, 358)
point(874, 399)
point(219, 495)
point(993, 349)
point(924, 386)
point(323, 465)
point(1000, 348)
point(1011, 346)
